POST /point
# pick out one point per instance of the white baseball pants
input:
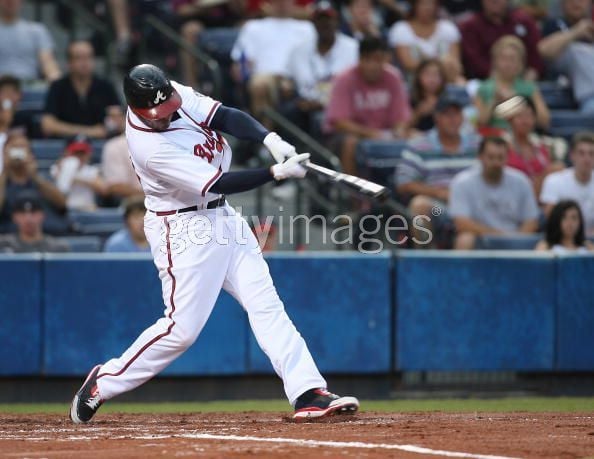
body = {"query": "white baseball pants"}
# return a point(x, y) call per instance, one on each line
point(197, 254)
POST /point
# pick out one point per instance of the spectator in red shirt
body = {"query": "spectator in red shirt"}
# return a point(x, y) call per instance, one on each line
point(482, 29)
point(368, 101)
point(533, 154)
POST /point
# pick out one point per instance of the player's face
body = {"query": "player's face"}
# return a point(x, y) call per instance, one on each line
point(158, 125)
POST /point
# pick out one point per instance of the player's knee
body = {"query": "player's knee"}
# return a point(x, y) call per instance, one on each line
point(184, 338)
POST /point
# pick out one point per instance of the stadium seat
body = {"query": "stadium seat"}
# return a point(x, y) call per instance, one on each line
point(557, 97)
point(101, 215)
point(509, 242)
point(82, 244)
point(565, 123)
point(48, 150)
point(218, 42)
point(377, 159)
point(33, 99)
point(100, 222)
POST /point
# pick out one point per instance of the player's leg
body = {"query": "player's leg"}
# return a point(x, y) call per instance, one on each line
point(191, 277)
point(248, 280)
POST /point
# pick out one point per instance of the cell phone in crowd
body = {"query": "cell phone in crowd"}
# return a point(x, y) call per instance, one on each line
point(17, 153)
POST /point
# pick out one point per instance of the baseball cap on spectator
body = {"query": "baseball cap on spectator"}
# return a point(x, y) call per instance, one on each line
point(79, 144)
point(324, 8)
point(26, 202)
point(447, 100)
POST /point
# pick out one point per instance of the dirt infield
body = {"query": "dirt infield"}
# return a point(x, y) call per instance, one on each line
point(272, 435)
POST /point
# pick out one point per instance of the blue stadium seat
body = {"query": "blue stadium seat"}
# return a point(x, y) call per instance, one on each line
point(101, 222)
point(557, 97)
point(509, 242)
point(218, 42)
point(377, 159)
point(102, 215)
point(571, 118)
point(33, 99)
point(48, 150)
point(82, 244)
point(565, 123)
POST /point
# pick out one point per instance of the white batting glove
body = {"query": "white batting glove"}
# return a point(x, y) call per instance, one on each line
point(279, 149)
point(290, 168)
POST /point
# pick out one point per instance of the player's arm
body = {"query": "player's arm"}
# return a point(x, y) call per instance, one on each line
point(243, 126)
point(194, 174)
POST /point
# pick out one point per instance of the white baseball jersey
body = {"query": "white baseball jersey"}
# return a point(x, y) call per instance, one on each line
point(177, 168)
point(188, 154)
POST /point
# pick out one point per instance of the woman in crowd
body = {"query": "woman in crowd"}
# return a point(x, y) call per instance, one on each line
point(424, 36)
point(565, 230)
point(535, 155)
point(427, 85)
point(508, 64)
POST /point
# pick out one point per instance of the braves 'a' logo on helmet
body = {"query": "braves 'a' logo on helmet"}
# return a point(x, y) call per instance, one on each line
point(160, 97)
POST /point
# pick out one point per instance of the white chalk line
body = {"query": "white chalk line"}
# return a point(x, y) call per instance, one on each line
point(293, 441)
point(342, 444)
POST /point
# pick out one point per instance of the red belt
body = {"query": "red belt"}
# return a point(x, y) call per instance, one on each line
point(211, 205)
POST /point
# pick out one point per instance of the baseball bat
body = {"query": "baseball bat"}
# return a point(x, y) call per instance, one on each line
point(352, 182)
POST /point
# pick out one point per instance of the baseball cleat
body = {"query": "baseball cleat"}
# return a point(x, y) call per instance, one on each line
point(87, 400)
point(319, 403)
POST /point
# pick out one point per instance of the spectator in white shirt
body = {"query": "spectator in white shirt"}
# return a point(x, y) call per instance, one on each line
point(76, 178)
point(120, 179)
point(425, 36)
point(313, 64)
point(262, 51)
point(26, 48)
point(575, 183)
point(116, 168)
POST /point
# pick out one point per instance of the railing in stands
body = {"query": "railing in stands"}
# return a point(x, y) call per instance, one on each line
point(84, 15)
point(311, 145)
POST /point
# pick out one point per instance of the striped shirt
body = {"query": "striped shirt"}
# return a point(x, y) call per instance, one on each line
point(425, 161)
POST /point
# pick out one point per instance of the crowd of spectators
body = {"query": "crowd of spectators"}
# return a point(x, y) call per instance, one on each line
point(426, 76)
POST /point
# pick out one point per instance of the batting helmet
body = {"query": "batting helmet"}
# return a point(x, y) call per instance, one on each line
point(149, 92)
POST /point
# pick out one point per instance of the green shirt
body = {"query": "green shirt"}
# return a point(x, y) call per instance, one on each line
point(486, 93)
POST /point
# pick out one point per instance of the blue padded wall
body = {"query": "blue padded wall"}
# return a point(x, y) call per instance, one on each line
point(20, 308)
point(475, 312)
point(575, 313)
point(341, 306)
point(86, 324)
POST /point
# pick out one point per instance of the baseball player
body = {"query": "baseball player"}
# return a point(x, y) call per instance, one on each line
point(200, 245)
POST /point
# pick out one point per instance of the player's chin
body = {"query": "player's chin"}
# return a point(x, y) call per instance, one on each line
point(160, 125)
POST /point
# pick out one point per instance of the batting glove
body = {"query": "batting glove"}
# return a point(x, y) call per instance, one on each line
point(291, 167)
point(279, 149)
